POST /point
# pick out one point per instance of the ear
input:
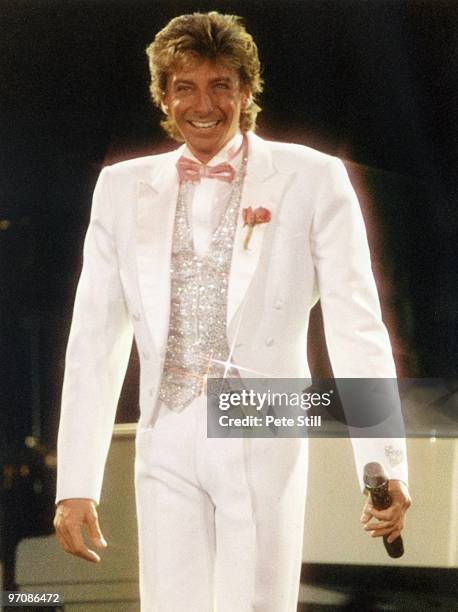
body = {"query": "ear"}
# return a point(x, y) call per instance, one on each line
point(247, 99)
point(164, 103)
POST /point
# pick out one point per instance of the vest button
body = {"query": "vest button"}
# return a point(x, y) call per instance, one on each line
point(278, 305)
point(136, 316)
point(269, 341)
point(145, 355)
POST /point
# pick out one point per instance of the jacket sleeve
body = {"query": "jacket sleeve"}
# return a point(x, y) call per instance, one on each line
point(357, 339)
point(96, 359)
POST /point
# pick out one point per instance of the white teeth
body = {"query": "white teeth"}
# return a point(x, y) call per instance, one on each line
point(201, 124)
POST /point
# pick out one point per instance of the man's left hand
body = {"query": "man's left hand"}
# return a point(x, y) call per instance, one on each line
point(392, 520)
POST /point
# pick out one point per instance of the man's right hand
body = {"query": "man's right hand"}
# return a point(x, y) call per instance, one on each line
point(71, 516)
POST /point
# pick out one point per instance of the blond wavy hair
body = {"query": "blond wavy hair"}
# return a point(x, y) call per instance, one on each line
point(205, 36)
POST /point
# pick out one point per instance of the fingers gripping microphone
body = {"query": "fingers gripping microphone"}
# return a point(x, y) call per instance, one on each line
point(376, 483)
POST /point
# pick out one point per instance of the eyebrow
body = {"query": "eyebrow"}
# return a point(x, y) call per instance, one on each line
point(217, 79)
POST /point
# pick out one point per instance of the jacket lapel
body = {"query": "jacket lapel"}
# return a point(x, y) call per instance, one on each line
point(263, 187)
point(156, 204)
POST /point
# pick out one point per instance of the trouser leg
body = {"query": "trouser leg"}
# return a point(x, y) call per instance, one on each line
point(175, 521)
point(258, 487)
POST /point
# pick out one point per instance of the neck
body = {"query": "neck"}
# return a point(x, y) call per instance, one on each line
point(204, 158)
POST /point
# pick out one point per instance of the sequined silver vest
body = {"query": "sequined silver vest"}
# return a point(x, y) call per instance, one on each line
point(197, 340)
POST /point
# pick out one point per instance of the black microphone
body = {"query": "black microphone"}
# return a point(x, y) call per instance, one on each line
point(376, 483)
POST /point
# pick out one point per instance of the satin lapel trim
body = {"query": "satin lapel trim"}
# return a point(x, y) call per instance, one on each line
point(263, 187)
point(156, 204)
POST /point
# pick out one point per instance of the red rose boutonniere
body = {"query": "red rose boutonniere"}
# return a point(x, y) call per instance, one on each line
point(254, 217)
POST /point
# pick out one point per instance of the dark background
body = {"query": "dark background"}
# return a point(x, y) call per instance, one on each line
point(373, 82)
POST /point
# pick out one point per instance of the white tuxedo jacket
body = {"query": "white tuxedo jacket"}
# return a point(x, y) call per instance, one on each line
point(314, 247)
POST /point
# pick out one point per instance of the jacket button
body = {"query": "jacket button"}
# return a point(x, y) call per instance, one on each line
point(269, 341)
point(136, 316)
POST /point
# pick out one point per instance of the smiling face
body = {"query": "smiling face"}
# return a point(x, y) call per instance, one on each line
point(204, 99)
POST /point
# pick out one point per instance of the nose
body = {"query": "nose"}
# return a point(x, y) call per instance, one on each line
point(203, 103)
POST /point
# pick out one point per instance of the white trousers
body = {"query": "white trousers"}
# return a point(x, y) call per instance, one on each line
point(220, 521)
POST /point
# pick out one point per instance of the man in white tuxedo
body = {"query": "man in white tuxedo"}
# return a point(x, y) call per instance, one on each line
point(169, 258)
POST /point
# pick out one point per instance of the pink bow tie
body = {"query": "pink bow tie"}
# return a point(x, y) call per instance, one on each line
point(190, 170)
